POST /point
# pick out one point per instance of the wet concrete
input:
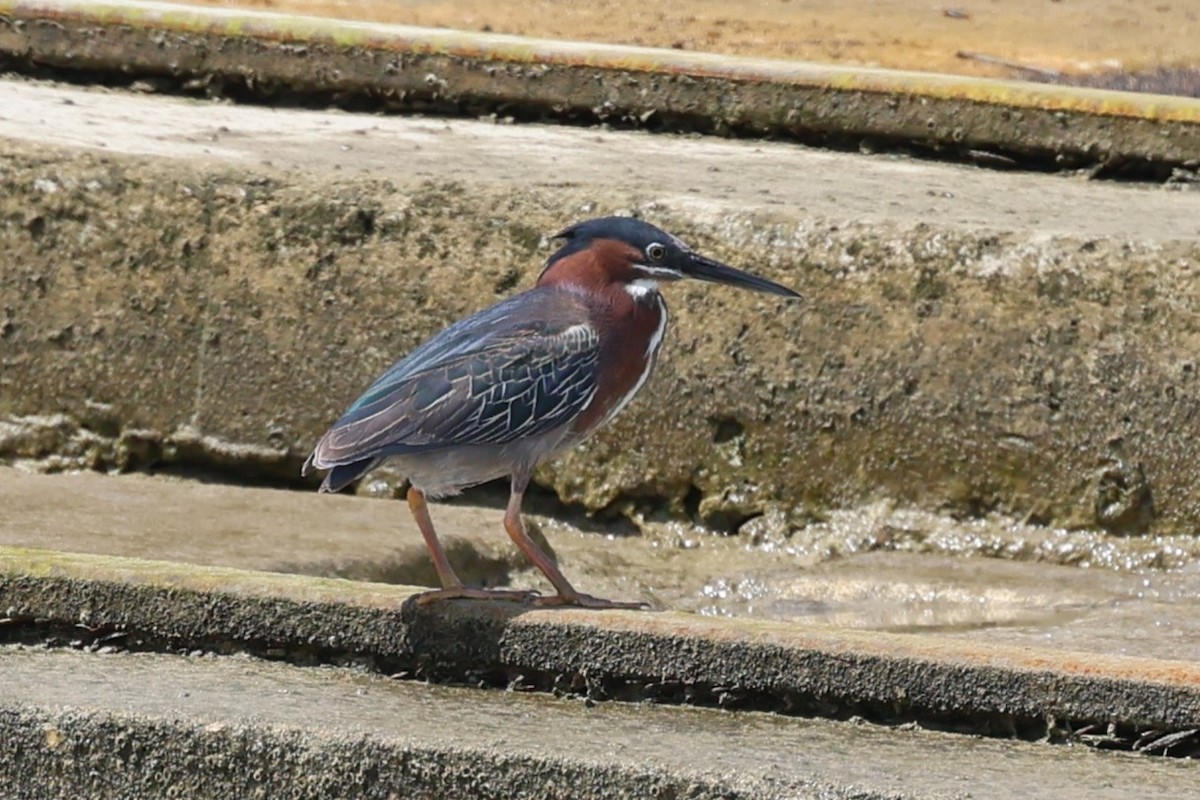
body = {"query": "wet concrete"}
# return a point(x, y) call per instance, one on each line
point(221, 727)
point(850, 573)
point(979, 342)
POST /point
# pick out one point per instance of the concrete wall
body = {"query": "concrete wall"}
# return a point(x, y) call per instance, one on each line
point(189, 312)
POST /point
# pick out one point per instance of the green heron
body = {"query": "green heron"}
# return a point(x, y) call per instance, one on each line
point(510, 386)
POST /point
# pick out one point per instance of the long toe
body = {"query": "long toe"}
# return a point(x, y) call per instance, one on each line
point(587, 601)
point(472, 593)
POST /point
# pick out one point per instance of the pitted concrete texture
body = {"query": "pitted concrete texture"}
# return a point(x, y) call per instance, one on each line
point(417, 68)
point(949, 355)
point(611, 654)
point(81, 725)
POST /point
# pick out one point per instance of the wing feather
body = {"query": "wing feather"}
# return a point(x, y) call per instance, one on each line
point(493, 378)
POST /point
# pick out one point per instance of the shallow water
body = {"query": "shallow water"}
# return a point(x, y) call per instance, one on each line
point(881, 569)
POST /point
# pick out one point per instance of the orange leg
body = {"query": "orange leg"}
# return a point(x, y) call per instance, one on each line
point(420, 512)
point(452, 586)
point(567, 594)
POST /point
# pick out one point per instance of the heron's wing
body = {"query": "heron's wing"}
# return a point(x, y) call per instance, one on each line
point(515, 370)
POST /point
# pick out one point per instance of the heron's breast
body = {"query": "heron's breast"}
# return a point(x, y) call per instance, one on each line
point(631, 335)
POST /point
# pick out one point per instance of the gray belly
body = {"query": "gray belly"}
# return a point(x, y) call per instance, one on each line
point(447, 472)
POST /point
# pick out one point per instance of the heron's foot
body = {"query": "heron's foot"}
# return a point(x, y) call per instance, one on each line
point(580, 600)
point(473, 593)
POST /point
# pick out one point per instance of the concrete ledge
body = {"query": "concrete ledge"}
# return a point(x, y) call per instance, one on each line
point(666, 657)
point(412, 67)
point(141, 725)
point(217, 728)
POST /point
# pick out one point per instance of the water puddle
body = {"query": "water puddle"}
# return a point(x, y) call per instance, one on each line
point(878, 568)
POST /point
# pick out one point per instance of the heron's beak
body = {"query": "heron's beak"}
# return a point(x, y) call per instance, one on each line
point(706, 269)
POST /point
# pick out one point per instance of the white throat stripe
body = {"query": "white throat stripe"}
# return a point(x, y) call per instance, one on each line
point(662, 272)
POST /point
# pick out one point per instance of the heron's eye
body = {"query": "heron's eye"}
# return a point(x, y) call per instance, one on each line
point(656, 251)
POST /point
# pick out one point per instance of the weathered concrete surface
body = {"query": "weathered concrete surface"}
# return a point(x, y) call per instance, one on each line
point(867, 569)
point(1098, 36)
point(178, 311)
point(406, 67)
point(631, 655)
point(81, 725)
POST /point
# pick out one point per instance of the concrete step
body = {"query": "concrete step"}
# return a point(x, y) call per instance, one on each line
point(753, 664)
point(844, 577)
point(396, 66)
point(298, 705)
point(121, 725)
